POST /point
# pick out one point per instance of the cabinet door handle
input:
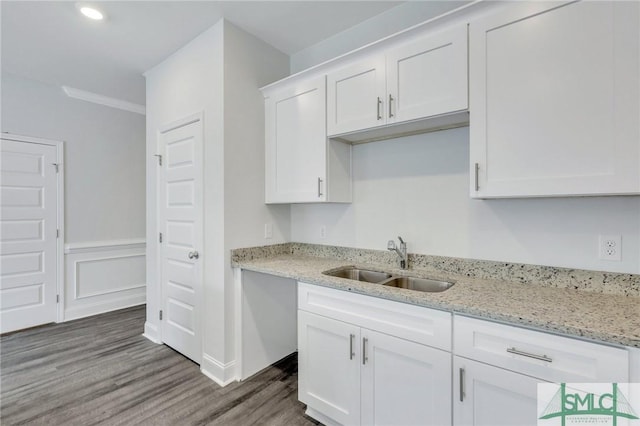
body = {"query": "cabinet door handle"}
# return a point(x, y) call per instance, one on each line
point(462, 395)
point(351, 352)
point(476, 169)
point(378, 105)
point(529, 355)
point(319, 187)
point(364, 350)
point(390, 101)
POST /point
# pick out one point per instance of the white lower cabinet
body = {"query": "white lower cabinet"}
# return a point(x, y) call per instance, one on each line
point(329, 368)
point(484, 395)
point(498, 385)
point(369, 361)
point(404, 383)
point(352, 375)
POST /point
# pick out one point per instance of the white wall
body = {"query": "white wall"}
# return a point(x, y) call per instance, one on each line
point(217, 73)
point(389, 22)
point(104, 191)
point(249, 63)
point(104, 157)
point(418, 187)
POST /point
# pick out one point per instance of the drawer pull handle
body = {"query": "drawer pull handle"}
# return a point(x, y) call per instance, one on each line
point(351, 352)
point(529, 355)
point(462, 393)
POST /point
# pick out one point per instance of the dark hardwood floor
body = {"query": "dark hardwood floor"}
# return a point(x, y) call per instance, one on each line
point(100, 370)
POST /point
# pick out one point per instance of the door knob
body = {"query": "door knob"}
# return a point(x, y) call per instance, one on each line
point(194, 255)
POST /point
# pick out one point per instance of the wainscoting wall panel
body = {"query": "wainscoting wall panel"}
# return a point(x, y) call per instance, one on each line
point(102, 276)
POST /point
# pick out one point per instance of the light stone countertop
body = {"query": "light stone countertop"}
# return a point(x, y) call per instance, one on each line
point(609, 318)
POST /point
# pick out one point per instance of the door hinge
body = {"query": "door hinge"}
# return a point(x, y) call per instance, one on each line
point(160, 315)
point(57, 298)
point(57, 233)
point(159, 159)
point(160, 238)
point(57, 166)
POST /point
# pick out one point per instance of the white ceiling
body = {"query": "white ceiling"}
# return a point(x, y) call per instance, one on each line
point(51, 42)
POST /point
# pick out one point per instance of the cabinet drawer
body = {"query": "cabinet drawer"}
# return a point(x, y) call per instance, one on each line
point(545, 356)
point(422, 325)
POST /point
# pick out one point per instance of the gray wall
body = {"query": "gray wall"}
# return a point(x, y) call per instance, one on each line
point(104, 157)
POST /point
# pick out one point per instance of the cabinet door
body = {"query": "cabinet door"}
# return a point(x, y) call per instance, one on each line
point(404, 383)
point(329, 367)
point(555, 100)
point(355, 97)
point(428, 77)
point(489, 396)
point(296, 143)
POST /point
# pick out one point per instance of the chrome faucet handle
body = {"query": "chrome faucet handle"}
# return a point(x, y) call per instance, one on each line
point(401, 240)
point(391, 245)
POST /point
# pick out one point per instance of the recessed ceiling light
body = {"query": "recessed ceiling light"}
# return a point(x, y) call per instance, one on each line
point(91, 13)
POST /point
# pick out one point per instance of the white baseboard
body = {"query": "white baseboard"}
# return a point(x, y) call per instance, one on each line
point(103, 276)
point(222, 374)
point(151, 332)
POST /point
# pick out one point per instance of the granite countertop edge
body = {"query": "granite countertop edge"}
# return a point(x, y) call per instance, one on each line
point(574, 313)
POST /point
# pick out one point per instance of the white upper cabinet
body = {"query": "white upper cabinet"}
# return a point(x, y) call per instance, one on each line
point(555, 100)
point(301, 166)
point(355, 96)
point(422, 78)
point(428, 77)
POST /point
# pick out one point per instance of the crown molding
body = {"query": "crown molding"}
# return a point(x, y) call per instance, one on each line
point(95, 98)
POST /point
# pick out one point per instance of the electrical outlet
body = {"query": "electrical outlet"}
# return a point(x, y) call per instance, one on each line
point(323, 232)
point(610, 247)
point(268, 230)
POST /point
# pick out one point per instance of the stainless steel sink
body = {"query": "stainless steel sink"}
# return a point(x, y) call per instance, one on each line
point(419, 284)
point(387, 279)
point(353, 273)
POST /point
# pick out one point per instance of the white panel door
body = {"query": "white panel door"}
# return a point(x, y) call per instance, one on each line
point(428, 77)
point(404, 383)
point(329, 367)
point(296, 144)
point(356, 97)
point(181, 218)
point(555, 100)
point(28, 249)
point(490, 396)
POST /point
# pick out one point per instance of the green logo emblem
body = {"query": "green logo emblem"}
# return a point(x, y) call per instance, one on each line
point(572, 402)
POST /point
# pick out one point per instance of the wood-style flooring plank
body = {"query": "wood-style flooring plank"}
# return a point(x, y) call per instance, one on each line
point(101, 371)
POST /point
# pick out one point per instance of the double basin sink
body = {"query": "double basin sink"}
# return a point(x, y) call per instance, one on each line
point(389, 280)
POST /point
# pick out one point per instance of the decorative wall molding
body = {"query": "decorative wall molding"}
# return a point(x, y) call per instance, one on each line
point(93, 246)
point(221, 373)
point(95, 98)
point(103, 276)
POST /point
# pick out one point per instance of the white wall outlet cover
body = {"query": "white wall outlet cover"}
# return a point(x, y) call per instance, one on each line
point(268, 230)
point(610, 247)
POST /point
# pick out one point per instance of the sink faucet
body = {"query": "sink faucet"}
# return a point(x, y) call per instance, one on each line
point(402, 251)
